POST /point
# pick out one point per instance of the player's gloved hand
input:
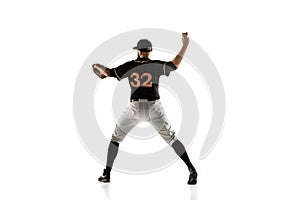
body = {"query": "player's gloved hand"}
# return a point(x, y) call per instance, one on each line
point(185, 39)
point(99, 70)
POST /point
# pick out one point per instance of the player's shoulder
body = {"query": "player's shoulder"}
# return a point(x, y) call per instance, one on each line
point(126, 64)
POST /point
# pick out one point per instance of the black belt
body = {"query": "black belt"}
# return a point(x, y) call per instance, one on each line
point(151, 99)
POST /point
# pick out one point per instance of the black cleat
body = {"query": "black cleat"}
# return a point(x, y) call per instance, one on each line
point(192, 178)
point(105, 178)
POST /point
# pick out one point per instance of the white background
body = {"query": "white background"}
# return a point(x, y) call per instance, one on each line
point(255, 46)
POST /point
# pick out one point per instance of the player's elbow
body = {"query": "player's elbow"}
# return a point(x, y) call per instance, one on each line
point(176, 64)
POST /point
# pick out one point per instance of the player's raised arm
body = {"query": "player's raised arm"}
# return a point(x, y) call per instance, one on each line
point(101, 71)
point(185, 42)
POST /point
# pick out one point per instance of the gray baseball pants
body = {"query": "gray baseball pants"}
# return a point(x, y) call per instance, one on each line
point(147, 111)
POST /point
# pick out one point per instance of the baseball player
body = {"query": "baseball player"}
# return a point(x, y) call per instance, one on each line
point(143, 75)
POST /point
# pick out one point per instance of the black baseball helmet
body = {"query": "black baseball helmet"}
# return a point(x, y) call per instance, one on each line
point(143, 45)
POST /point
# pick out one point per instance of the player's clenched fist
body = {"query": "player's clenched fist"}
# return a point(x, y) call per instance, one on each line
point(99, 70)
point(185, 39)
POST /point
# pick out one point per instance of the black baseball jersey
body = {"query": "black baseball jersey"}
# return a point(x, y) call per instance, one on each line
point(143, 75)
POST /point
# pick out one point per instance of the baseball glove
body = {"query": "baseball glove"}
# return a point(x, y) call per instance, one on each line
point(99, 70)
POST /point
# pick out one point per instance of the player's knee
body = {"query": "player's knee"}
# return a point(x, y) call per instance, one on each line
point(168, 136)
point(117, 138)
point(172, 140)
point(115, 143)
point(118, 135)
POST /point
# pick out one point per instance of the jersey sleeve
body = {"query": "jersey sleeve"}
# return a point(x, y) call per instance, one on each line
point(120, 71)
point(166, 67)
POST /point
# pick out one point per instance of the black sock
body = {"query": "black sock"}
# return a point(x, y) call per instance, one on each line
point(111, 155)
point(181, 152)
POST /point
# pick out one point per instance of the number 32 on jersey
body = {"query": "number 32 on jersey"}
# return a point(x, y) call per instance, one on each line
point(138, 80)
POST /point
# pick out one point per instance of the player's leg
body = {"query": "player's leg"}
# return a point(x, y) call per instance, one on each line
point(161, 123)
point(181, 152)
point(125, 123)
point(112, 152)
point(122, 128)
